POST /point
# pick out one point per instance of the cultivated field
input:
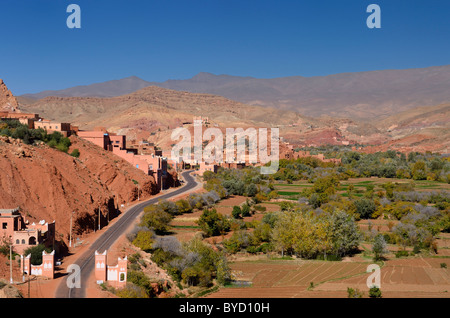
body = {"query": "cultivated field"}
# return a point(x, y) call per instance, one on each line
point(412, 277)
point(292, 191)
point(185, 227)
point(259, 276)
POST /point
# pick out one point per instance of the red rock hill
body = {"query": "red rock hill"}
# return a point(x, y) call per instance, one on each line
point(48, 184)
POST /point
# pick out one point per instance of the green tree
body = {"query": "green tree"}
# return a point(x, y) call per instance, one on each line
point(375, 292)
point(144, 240)
point(251, 190)
point(245, 210)
point(379, 247)
point(213, 223)
point(419, 170)
point(183, 206)
point(236, 213)
point(286, 206)
point(389, 188)
point(283, 234)
point(36, 253)
point(365, 207)
point(223, 271)
point(345, 233)
point(157, 220)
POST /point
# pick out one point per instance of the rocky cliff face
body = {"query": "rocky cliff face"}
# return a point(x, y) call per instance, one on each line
point(48, 184)
point(7, 100)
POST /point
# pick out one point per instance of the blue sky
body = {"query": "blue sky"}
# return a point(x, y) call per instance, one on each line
point(176, 39)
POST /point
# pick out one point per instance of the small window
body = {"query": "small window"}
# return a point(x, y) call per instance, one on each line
point(5, 226)
point(137, 166)
point(17, 241)
point(23, 241)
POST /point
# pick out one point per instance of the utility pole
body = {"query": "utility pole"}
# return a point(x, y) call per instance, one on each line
point(23, 268)
point(10, 263)
point(70, 235)
point(29, 270)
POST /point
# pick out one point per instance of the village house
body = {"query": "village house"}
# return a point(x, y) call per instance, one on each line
point(151, 164)
point(291, 154)
point(33, 121)
point(23, 118)
point(203, 167)
point(22, 235)
point(145, 147)
point(51, 126)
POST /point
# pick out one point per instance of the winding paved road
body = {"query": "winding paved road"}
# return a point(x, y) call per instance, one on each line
point(106, 240)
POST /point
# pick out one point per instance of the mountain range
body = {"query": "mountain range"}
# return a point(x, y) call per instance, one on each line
point(361, 95)
point(153, 112)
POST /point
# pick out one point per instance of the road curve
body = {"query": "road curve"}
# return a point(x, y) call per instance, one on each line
point(105, 241)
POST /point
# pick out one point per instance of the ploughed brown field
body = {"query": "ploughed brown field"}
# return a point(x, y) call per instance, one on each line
point(413, 277)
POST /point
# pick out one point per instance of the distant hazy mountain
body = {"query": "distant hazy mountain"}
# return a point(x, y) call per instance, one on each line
point(362, 95)
point(106, 89)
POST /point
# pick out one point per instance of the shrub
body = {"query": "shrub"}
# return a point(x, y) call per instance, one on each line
point(286, 206)
point(401, 253)
point(443, 265)
point(238, 241)
point(141, 286)
point(133, 233)
point(375, 292)
point(260, 208)
point(183, 206)
point(144, 240)
point(75, 153)
point(58, 141)
point(354, 293)
point(167, 206)
point(245, 210)
point(236, 213)
point(132, 291)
